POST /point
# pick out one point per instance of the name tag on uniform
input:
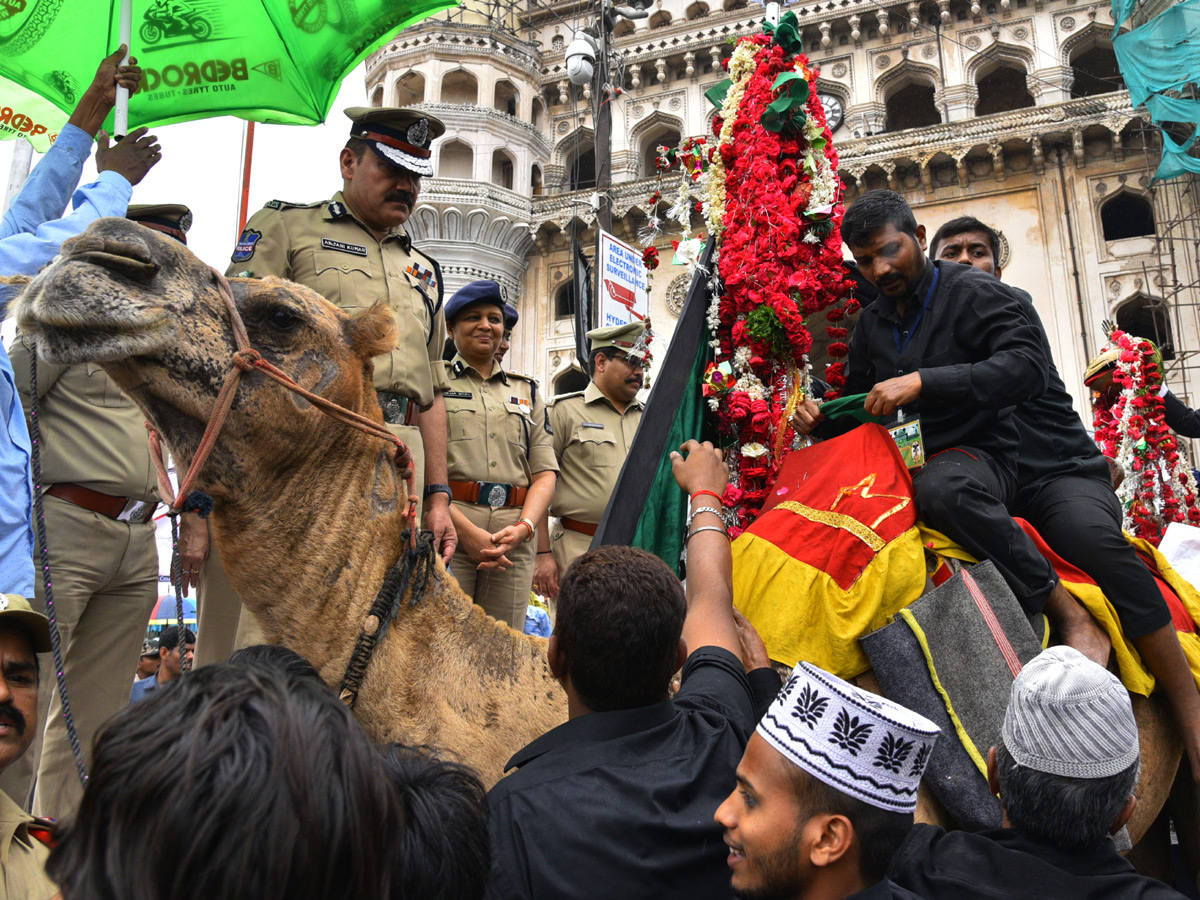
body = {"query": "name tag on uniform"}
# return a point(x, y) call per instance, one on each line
point(458, 395)
point(591, 425)
point(343, 247)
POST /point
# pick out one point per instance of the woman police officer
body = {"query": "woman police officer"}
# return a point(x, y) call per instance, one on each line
point(501, 460)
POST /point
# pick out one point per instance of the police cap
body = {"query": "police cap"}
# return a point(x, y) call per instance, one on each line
point(471, 294)
point(625, 338)
point(172, 219)
point(15, 609)
point(511, 317)
point(400, 136)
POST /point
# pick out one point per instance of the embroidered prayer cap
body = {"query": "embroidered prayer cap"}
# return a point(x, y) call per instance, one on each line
point(172, 219)
point(15, 609)
point(469, 295)
point(511, 317)
point(1069, 716)
point(858, 743)
point(400, 136)
point(625, 338)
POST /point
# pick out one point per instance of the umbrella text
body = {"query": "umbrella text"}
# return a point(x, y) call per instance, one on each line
point(212, 71)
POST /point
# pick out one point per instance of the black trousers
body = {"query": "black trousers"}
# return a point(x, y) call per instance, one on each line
point(1080, 518)
point(963, 493)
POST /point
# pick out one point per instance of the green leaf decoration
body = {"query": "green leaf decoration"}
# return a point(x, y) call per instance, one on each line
point(787, 110)
point(716, 93)
point(764, 326)
point(786, 34)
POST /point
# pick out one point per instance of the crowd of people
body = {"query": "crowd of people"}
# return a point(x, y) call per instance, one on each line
point(249, 777)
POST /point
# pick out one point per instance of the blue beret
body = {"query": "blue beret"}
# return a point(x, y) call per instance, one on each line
point(511, 316)
point(475, 292)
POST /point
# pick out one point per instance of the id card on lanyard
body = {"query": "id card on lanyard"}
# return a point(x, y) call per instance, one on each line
point(907, 432)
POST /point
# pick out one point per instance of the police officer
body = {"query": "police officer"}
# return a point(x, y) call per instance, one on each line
point(100, 493)
point(501, 462)
point(511, 317)
point(593, 430)
point(353, 249)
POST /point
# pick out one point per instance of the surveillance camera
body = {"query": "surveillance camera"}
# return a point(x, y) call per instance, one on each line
point(581, 58)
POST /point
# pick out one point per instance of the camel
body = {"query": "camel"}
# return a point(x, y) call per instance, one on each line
point(308, 514)
point(291, 484)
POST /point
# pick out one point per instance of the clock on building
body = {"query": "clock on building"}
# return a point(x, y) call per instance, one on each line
point(833, 110)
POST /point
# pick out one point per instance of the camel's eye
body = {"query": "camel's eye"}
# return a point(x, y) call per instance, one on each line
point(282, 319)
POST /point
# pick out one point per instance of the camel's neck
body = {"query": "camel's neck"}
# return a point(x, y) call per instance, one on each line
point(308, 548)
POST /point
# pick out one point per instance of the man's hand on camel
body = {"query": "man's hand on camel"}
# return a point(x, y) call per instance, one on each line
point(887, 395)
point(703, 469)
point(193, 547)
point(437, 520)
point(132, 156)
point(807, 416)
point(545, 575)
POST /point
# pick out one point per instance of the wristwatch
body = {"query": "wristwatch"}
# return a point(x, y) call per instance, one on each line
point(431, 489)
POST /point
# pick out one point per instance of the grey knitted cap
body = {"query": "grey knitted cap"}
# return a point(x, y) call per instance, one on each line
point(1068, 716)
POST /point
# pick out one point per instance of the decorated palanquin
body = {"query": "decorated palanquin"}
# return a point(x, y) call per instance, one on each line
point(834, 554)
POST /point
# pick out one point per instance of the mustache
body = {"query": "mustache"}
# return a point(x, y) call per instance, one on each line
point(10, 712)
point(401, 197)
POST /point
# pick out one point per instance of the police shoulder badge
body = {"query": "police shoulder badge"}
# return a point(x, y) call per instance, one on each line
point(246, 245)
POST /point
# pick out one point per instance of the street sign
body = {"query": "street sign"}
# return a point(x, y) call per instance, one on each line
point(623, 289)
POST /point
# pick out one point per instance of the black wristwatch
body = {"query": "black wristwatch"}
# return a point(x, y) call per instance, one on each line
point(431, 489)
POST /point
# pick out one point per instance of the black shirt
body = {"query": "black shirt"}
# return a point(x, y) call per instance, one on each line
point(1180, 419)
point(978, 353)
point(884, 890)
point(1053, 441)
point(620, 804)
point(1001, 864)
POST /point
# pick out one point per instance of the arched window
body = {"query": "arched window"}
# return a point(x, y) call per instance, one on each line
point(502, 169)
point(731, 5)
point(457, 160)
point(624, 28)
point(570, 381)
point(581, 168)
point(410, 89)
point(912, 106)
point(1126, 215)
point(660, 137)
point(660, 19)
point(460, 87)
point(377, 96)
point(539, 112)
point(506, 98)
point(1146, 317)
point(535, 180)
point(1003, 89)
point(564, 301)
point(1095, 71)
point(697, 10)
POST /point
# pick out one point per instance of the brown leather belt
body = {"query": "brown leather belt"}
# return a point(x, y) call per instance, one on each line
point(575, 525)
point(488, 493)
point(123, 509)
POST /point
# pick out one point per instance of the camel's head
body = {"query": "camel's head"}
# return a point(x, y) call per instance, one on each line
point(154, 317)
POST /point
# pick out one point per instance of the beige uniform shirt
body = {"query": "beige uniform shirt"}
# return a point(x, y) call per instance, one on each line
point(92, 433)
point(591, 441)
point(22, 857)
point(499, 431)
point(322, 246)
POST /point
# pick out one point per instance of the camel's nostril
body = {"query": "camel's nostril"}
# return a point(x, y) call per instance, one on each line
point(116, 258)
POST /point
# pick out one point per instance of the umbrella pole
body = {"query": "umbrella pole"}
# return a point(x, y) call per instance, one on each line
point(247, 156)
point(121, 115)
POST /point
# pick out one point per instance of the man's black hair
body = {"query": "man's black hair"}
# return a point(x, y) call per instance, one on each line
point(169, 638)
point(963, 225)
point(620, 614)
point(872, 211)
point(444, 851)
point(1072, 814)
point(235, 782)
point(281, 659)
point(358, 147)
point(877, 832)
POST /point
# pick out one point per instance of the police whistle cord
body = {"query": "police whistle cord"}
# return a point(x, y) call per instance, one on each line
point(413, 569)
point(39, 514)
point(245, 359)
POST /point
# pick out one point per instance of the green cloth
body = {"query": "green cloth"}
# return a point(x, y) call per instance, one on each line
point(849, 407)
point(278, 61)
point(25, 114)
point(661, 527)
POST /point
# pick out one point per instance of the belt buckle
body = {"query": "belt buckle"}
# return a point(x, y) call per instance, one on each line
point(134, 511)
point(493, 495)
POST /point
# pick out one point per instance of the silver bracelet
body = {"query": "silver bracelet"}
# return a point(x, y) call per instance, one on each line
point(704, 509)
point(692, 534)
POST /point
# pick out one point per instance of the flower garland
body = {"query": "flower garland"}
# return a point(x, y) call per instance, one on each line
point(772, 195)
point(1131, 428)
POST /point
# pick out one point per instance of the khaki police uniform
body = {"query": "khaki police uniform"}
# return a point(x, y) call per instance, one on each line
point(22, 857)
point(103, 556)
point(499, 439)
point(591, 440)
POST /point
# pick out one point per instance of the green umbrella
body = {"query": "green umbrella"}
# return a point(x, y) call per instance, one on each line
point(26, 114)
point(278, 61)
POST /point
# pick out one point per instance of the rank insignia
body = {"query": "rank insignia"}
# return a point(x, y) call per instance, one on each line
point(422, 274)
point(273, 204)
point(246, 245)
point(337, 209)
point(458, 368)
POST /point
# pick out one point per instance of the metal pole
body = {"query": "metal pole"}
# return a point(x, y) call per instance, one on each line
point(121, 114)
point(603, 147)
point(18, 171)
point(247, 156)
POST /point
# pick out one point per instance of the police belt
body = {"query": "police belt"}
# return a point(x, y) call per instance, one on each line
point(575, 525)
point(397, 409)
point(488, 493)
point(123, 509)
